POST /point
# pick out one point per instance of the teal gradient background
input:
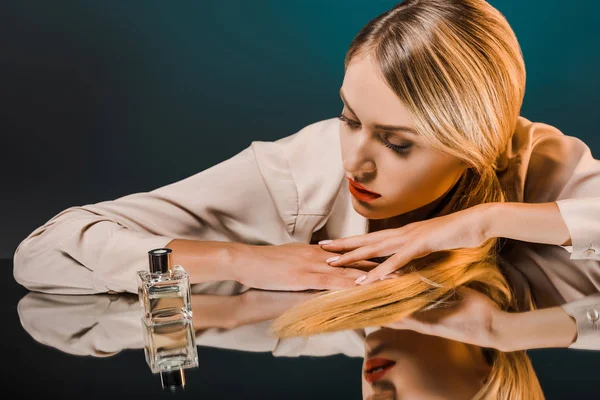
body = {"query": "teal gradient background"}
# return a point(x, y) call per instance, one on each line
point(101, 99)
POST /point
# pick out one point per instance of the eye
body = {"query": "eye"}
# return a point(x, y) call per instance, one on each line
point(354, 125)
point(396, 148)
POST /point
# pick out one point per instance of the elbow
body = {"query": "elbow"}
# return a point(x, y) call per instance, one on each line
point(22, 268)
point(49, 271)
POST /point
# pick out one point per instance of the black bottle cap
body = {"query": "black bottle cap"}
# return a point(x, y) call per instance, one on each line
point(160, 260)
point(173, 380)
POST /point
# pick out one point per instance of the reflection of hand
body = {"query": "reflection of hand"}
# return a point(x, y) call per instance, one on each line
point(249, 307)
point(294, 266)
point(477, 320)
point(470, 320)
point(461, 229)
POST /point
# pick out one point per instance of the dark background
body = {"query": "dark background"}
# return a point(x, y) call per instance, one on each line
point(100, 99)
point(103, 99)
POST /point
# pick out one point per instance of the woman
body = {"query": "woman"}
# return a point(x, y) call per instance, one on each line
point(453, 73)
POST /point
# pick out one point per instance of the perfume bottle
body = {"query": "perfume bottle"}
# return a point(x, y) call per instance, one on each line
point(170, 348)
point(164, 291)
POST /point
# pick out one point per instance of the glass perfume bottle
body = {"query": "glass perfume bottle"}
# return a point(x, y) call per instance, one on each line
point(164, 291)
point(170, 348)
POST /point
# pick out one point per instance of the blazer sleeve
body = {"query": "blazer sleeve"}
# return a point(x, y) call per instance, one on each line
point(579, 202)
point(562, 169)
point(586, 312)
point(94, 248)
point(99, 326)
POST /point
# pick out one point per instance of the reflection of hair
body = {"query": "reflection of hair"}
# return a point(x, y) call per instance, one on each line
point(458, 68)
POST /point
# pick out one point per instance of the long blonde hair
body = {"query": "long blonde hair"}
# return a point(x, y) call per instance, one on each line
point(458, 67)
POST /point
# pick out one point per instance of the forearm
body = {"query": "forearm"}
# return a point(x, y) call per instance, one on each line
point(215, 311)
point(528, 222)
point(207, 261)
point(550, 327)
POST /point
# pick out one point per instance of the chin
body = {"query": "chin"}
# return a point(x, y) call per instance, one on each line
point(367, 212)
point(359, 208)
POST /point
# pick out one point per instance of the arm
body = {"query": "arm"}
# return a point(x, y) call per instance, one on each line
point(565, 223)
point(557, 179)
point(550, 327)
point(574, 325)
point(98, 247)
point(537, 223)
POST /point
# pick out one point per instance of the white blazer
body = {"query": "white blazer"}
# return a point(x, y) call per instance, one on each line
point(294, 190)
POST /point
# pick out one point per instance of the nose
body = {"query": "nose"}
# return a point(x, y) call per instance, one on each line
point(357, 160)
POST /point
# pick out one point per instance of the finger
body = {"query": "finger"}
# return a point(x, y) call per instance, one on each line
point(352, 242)
point(346, 272)
point(351, 273)
point(328, 281)
point(361, 266)
point(362, 253)
point(410, 323)
point(392, 264)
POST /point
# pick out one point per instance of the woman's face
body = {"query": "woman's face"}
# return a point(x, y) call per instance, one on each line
point(426, 367)
point(407, 178)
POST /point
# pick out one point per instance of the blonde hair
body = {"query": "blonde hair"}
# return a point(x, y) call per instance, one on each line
point(458, 67)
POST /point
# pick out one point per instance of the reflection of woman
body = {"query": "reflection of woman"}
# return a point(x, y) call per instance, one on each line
point(452, 71)
point(470, 364)
point(104, 325)
point(408, 365)
point(421, 366)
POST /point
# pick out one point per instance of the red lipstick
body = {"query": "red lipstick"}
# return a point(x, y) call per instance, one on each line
point(376, 368)
point(361, 192)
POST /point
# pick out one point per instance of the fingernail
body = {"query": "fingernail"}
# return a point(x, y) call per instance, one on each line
point(325, 241)
point(330, 259)
point(359, 280)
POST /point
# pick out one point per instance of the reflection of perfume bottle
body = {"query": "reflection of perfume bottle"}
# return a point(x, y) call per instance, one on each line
point(170, 348)
point(164, 292)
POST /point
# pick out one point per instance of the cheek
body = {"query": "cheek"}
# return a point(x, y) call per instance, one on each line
point(367, 390)
point(345, 142)
point(410, 189)
point(405, 181)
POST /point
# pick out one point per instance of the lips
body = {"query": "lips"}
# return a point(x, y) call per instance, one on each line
point(376, 368)
point(362, 196)
point(361, 188)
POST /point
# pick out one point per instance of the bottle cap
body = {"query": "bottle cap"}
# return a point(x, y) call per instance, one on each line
point(173, 380)
point(160, 260)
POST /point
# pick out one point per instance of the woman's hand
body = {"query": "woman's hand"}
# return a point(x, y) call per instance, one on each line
point(472, 319)
point(464, 228)
point(293, 266)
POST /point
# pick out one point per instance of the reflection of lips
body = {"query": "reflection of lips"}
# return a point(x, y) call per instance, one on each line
point(376, 368)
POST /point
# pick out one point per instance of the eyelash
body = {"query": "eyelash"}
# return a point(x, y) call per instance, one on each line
point(353, 125)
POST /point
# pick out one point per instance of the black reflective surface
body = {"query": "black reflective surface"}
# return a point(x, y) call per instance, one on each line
point(92, 347)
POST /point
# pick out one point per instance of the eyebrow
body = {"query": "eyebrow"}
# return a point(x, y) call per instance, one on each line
point(390, 128)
